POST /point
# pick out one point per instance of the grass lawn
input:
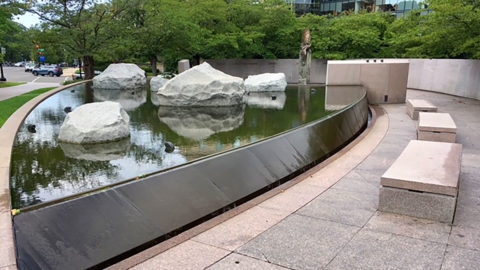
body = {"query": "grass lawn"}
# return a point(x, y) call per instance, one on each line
point(8, 84)
point(9, 106)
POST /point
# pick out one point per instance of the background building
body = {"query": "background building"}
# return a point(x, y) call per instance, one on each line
point(323, 7)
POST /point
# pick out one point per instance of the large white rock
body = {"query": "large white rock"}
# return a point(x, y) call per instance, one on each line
point(129, 99)
point(120, 76)
point(96, 122)
point(199, 123)
point(267, 100)
point(266, 82)
point(202, 85)
point(157, 82)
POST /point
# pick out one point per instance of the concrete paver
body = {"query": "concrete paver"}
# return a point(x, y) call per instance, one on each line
point(300, 242)
point(409, 226)
point(346, 207)
point(240, 262)
point(377, 250)
point(179, 258)
point(238, 230)
point(459, 258)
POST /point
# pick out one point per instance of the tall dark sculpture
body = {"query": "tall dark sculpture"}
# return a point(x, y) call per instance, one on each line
point(305, 58)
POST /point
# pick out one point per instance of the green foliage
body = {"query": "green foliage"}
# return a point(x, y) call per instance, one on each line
point(9, 106)
point(169, 30)
point(10, 84)
point(352, 36)
point(450, 30)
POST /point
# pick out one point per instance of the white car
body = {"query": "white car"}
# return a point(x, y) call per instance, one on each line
point(76, 76)
point(19, 64)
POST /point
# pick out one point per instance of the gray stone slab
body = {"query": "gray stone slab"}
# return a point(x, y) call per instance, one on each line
point(459, 258)
point(357, 183)
point(241, 262)
point(378, 250)
point(417, 204)
point(410, 226)
point(465, 237)
point(376, 163)
point(468, 212)
point(347, 207)
point(300, 242)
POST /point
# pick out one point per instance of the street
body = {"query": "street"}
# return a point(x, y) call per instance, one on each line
point(18, 74)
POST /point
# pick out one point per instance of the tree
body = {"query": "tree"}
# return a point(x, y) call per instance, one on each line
point(85, 26)
point(348, 36)
point(451, 29)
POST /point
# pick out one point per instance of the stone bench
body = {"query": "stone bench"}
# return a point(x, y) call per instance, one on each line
point(414, 106)
point(423, 181)
point(438, 127)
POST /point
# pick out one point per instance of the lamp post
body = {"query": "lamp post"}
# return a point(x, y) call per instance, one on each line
point(3, 51)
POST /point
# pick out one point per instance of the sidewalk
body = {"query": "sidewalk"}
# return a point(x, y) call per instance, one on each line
point(341, 228)
point(8, 92)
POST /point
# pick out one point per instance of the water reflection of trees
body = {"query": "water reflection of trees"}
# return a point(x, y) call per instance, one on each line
point(48, 169)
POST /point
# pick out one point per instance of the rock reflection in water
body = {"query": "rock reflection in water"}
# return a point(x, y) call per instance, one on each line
point(339, 97)
point(97, 152)
point(266, 100)
point(130, 99)
point(199, 123)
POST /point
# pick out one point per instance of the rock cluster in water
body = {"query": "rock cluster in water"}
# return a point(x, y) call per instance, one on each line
point(266, 82)
point(97, 122)
point(120, 76)
point(202, 85)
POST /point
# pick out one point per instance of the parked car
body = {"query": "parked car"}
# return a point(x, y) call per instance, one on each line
point(19, 64)
point(48, 70)
point(76, 76)
point(29, 67)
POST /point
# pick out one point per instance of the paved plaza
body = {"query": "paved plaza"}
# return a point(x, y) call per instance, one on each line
point(330, 221)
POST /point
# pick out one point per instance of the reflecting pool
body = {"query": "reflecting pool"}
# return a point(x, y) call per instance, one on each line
point(43, 169)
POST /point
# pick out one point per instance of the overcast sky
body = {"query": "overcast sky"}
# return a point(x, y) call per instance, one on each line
point(28, 19)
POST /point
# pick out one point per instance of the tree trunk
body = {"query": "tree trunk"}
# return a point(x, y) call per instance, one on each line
point(196, 60)
point(153, 62)
point(88, 66)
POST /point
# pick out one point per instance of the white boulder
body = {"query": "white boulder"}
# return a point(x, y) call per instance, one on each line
point(199, 123)
point(157, 82)
point(266, 82)
point(267, 100)
point(202, 85)
point(120, 76)
point(96, 122)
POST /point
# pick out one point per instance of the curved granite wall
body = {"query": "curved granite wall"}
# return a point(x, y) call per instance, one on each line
point(457, 77)
point(96, 229)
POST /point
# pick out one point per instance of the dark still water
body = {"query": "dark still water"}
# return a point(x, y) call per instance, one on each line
point(43, 169)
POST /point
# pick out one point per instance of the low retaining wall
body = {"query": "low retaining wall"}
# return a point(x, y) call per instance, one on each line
point(244, 67)
point(457, 77)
